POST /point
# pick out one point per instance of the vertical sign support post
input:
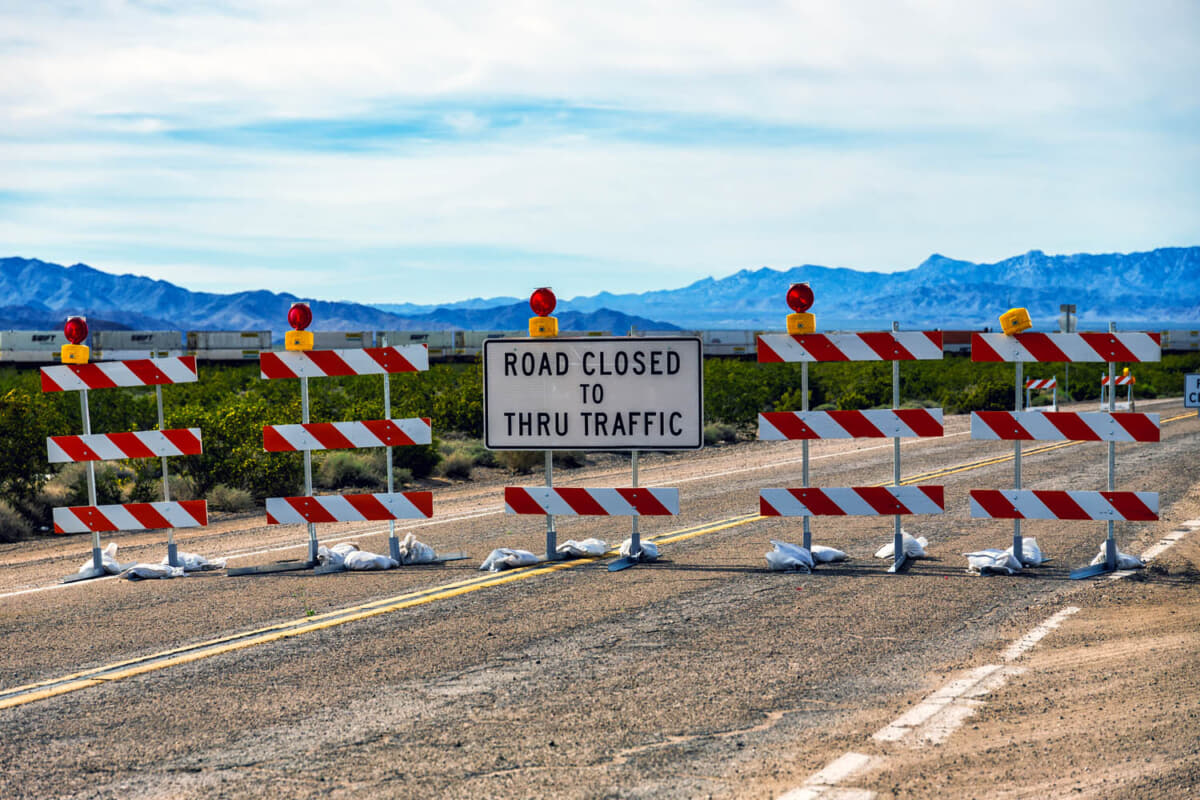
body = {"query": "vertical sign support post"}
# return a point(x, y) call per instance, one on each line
point(1110, 542)
point(172, 550)
point(804, 451)
point(1018, 543)
point(551, 534)
point(97, 561)
point(393, 542)
point(308, 489)
point(898, 533)
point(635, 541)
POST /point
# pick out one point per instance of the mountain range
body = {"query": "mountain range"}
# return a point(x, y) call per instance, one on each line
point(1156, 289)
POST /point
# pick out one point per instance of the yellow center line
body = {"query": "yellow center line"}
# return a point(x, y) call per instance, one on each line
point(29, 693)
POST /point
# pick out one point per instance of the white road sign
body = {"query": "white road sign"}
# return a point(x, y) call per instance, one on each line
point(1191, 391)
point(613, 393)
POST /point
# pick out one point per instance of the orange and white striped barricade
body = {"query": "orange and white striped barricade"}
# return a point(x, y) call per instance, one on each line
point(592, 393)
point(92, 447)
point(894, 423)
point(309, 436)
point(1110, 426)
point(1041, 385)
point(1109, 388)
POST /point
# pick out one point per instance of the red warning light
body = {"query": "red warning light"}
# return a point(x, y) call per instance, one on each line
point(299, 316)
point(800, 297)
point(76, 329)
point(542, 301)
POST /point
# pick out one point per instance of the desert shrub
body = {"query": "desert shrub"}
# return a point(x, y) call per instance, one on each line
point(182, 487)
point(853, 400)
point(13, 526)
point(569, 459)
point(521, 462)
point(719, 432)
point(226, 498)
point(989, 395)
point(457, 466)
point(342, 469)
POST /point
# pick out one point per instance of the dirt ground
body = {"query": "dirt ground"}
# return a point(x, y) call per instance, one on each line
point(700, 675)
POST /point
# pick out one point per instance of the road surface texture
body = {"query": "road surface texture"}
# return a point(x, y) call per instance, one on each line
point(700, 675)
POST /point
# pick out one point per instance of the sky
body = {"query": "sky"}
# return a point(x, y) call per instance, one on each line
point(399, 151)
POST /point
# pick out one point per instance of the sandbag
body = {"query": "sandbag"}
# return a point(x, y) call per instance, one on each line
point(363, 560)
point(789, 557)
point(139, 572)
point(108, 560)
point(993, 561)
point(649, 550)
point(414, 552)
point(913, 548)
point(335, 557)
point(1031, 554)
point(194, 563)
point(507, 558)
point(1124, 561)
point(824, 555)
point(588, 547)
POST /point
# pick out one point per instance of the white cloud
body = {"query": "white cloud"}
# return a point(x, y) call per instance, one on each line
point(978, 130)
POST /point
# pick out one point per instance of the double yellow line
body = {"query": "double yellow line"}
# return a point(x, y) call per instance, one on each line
point(29, 693)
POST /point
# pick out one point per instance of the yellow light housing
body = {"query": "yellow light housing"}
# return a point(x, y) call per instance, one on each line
point(803, 322)
point(1015, 320)
point(298, 340)
point(543, 326)
point(74, 354)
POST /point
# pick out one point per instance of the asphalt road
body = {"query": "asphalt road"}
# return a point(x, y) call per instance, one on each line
point(702, 674)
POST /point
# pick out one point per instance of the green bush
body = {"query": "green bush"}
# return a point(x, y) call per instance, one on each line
point(990, 395)
point(521, 462)
point(225, 498)
point(13, 526)
point(719, 432)
point(345, 469)
point(570, 459)
point(457, 466)
point(853, 401)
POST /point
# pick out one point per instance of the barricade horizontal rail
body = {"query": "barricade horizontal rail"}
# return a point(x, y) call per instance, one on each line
point(878, 346)
point(349, 508)
point(114, 374)
point(876, 423)
point(1073, 505)
point(1121, 380)
point(852, 501)
point(623, 502)
point(344, 435)
point(1041, 383)
point(113, 446)
point(333, 363)
point(1068, 347)
point(131, 516)
point(1083, 426)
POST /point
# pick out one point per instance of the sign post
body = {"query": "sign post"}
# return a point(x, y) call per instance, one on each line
point(592, 393)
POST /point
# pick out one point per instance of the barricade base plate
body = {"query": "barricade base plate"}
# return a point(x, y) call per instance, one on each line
point(86, 575)
point(278, 566)
point(1090, 571)
point(901, 564)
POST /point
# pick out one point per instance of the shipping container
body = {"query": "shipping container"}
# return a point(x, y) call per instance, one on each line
point(341, 340)
point(32, 340)
point(132, 355)
point(137, 340)
point(228, 340)
point(1179, 340)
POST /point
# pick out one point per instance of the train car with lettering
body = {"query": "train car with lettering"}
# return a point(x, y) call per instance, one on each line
point(1180, 340)
point(227, 345)
point(127, 345)
point(31, 347)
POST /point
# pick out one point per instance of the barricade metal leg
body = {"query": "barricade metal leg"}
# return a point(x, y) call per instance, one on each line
point(1110, 541)
point(804, 451)
point(96, 570)
point(899, 558)
point(635, 547)
point(172, 550)
point(552, 553)
point(1018, 543)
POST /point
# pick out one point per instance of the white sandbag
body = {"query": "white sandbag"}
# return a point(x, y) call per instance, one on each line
point(824, 555)
point(1031, 554)
point(993, 561)
point(649, 550)
point(414, 552)
point(1124, 561)
point(787, 556)
point(194, 563)
point(139, 572)
point(335, 557)
point(508, 558)
point(362, 560)
point(913, 548)
point(588, 547)
point(108, 560)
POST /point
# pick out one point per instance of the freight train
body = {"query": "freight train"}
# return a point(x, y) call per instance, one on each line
point(42, 347)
